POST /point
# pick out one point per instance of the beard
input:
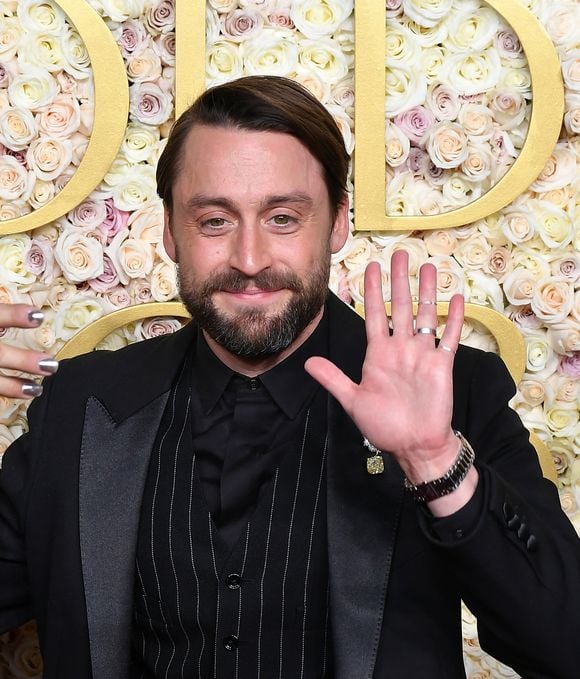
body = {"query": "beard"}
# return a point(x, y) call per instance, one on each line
point(255, 332)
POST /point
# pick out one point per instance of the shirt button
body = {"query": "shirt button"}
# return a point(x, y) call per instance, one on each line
point(253, 384)
point(231, 642)
point(234, 581)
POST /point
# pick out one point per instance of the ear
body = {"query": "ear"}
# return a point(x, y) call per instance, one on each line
point(168, 242)
point(339, 232)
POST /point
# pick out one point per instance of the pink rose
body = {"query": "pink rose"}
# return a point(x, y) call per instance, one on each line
point(108, 280)
point(133, 38)
point(508, 45)
point(524, 317)
point(281, 19)
point(160, 18)
point(150, 104)
point(40, 260)
point(570, 365)
point(241, 24)
point(117, 297)
point(88, 215)
point(443, 102)
point(115, 220)
point(415, 123)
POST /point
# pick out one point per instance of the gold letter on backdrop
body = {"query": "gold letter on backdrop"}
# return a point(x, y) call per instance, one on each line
point(369, 172)
point(190, 52)
point(111, 110)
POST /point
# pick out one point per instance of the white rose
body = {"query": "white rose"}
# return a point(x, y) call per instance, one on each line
point(15, 182)
point(531, 391)
point(517, 80)
point(509, 108)
point(472, 31)
point(355, 283)
point(571, 70)
point(405, 88)
point(224, 60)
point(79, 256)
point(400, 197)
point(427, 12)
point(271, 53)
point(443, 101)
point(40, 16)
point(541, 360)
point(13, 251)
point(116, 340)
point(48, 157)
point(427, 36)
point(344, 124)
point(473, 252)
point(428, 199)
point(32, 90)
point(164, 282)
point(140, 143)
point(415, 249)
point(43, 51)
point(135, 190)
point(143, 66)
point(76, 312)
point(121, 10)
point(563, 23)
point(518, 223)
point(402, 47)
point(554, 225)
point(147, 223)
point(484, 290)
point(518, 286)
point(323, 56)
point(565, 336)
point(13, 211)
point(76, 57)
point(319, 18)
point(357, 252)
point(11, 37)
point(562, 422)
point(222, 6)
point(458, 190)
point(471, 73)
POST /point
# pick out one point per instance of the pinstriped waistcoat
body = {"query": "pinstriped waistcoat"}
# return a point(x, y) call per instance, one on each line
point(203, 610)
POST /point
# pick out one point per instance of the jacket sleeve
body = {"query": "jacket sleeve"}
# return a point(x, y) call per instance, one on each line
point(518, 567)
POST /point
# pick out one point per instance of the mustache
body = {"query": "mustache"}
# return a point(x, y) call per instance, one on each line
point(234, 281)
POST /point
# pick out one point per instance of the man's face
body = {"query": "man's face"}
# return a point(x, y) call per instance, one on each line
point(252, 232)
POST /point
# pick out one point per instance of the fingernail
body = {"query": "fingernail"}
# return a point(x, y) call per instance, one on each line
point(36, 317)
point(32, 389)
point(48, 365)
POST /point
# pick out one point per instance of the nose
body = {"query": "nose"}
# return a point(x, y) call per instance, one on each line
point(250, 251)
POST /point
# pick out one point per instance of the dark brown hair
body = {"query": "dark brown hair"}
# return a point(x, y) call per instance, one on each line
point(262, 104)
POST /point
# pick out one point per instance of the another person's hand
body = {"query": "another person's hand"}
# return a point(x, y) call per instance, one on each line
point(22, 360)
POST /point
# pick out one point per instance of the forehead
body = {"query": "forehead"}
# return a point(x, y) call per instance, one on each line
point(246, 163)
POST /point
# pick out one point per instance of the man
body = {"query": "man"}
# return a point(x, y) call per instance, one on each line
point(216, 503)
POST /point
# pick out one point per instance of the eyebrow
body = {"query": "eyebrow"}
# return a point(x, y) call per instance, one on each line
point(202, 201)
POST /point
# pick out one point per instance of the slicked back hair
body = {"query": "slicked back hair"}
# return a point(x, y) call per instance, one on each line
point(262, 104)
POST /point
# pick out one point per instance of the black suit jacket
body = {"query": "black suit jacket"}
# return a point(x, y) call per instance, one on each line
point(70, 495)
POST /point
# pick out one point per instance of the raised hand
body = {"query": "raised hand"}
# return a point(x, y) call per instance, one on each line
point(23, 360)
point(404, 401)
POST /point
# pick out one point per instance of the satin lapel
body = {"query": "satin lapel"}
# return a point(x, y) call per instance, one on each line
point(362, 515)
point(113, 467)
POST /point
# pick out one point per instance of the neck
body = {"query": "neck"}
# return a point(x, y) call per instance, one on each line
point(251, 367)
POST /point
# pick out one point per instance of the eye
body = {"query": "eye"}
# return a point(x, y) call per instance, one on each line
point(283, 220)
point(214, 222)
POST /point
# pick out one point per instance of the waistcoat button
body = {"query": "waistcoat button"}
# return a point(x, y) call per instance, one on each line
point(231, 642)
point(234, 581)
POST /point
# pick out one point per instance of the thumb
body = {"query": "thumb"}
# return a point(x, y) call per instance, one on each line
point(332, 379)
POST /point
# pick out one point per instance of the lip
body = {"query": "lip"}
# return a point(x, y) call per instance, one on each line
point(253, 294)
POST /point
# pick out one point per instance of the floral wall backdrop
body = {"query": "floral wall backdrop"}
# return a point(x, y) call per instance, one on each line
point(458, 105)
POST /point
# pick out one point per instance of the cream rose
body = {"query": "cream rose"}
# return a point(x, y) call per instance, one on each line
point(224, 61)
point(222, 6)
point(499, 263)
point(402, 47)
point(397, 146)
point(80, 257)
point(518, 286)
point(562, 421)
point(48, 157)
point(41, 16)
point(164, 282)
point(17, 128)
point(323, 56)
point(61, 118)
point(541, 360)
point(571, 70)
point(140, 291)
point(478, 164)
point(415, 249)
point(552, 299)
point(76, 312)
point(447, 145)
point(11, 37)
point(531, 391)
point(459, 190)
point(473, 252)
point(477, 121)
point(470, 30)
point(443, 101)
point(132, 258)
point(518, 223)
point(450, 277)
point(116, 340)
point(77, 60)
point(509, 108)
point(43, 51)
point(554, 225)
point(15, 182)
point(144, 66)
point(121, 10)
point(441, 242)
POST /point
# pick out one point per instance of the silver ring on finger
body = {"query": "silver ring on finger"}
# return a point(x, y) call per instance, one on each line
point(425, 331)
point(446, 348)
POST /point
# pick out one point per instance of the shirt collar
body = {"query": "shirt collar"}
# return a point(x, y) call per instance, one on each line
point(289, 385)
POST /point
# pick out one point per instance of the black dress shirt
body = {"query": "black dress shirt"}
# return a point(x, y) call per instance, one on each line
point(241, 426)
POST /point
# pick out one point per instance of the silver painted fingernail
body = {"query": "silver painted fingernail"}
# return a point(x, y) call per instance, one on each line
point(48, 365)
point(36, 317)
point(32, 389)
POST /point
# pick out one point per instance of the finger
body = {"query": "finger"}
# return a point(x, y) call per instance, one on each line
point(375, 315)
point(16, 387)
point(401, 302)
point(427, 308)
point(333, 380)
point(20, 316)
point(27, 360)
point(452, 334)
